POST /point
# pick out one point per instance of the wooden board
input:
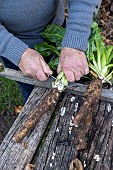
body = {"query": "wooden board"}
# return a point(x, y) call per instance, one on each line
point(14, 156)
point(98, 152)
point(59, 147)
point(74, 88)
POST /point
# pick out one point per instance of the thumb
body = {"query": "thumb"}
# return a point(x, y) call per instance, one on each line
point(46, 68)
point(59, 68)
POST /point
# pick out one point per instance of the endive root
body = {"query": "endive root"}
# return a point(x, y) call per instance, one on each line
point(47, 104)
point(83, 117)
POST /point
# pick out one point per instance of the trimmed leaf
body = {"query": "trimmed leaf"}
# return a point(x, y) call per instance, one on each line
point(110, 53)
point(109, 49)
point(90, 50)
point(104, 58)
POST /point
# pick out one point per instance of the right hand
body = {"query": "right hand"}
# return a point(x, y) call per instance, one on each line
point(32, 64)
point(74, 63)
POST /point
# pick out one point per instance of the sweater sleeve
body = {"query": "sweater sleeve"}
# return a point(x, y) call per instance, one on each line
point(79, 23)
point(11, 47)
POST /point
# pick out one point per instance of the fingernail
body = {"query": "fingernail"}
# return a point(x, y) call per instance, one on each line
point(50, 73)
point(58, 69)
point(77, 79)
point(86, 70)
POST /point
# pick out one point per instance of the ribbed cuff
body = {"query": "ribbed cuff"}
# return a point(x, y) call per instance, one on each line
point(75, 40)
point(14, 50)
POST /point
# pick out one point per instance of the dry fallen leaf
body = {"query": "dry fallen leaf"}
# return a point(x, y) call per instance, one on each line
point(76, 164)
point(18, 109)
point(29, 167)
point(25, 145)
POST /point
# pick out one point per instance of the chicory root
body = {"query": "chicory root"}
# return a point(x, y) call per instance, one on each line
point(83, 130)
point(92, 95)
point(83, 118)
point(47, 104)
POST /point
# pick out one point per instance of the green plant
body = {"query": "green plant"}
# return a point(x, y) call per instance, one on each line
point(54, 35)
point(100, 57)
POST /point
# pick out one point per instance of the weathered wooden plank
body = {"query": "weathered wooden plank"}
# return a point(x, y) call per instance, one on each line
point(18, 76)
point(14, 156)
point(98, 153)
point(79, 89)
point(59, 147)
point(74, 88)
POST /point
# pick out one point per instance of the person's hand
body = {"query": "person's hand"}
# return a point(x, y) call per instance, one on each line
point(74, 64)
point(32, 64)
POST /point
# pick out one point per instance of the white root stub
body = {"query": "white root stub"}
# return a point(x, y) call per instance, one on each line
point(109, 107)
point(72, 99)
point(84, 164)
point(57, 129)
point(97, 158)
point(76, 107)
point(63, 110)
point(58, 85)
point(61, 82)
point(112, 123)
point(71, 123)
point(51, 165)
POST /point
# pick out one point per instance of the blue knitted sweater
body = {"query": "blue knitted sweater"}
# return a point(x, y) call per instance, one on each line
point(21, 24)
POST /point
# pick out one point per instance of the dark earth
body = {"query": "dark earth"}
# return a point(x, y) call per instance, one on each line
point(10, 99)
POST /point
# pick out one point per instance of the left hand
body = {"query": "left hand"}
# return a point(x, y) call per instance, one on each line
point(74, 64)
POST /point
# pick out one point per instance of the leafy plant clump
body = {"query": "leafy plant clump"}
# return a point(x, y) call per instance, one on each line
point(100, 57)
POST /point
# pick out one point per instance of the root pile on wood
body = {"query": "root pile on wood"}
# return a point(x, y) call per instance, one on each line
point(83, 117)
point(47, 104)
